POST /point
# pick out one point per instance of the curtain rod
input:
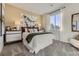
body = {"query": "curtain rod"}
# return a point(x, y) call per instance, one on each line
point(55, 10)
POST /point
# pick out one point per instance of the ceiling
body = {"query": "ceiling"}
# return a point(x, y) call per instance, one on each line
point(39, 8)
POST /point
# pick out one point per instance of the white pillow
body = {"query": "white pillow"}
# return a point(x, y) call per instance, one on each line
point(41, 31)
point(35, 30)
point(25, 34)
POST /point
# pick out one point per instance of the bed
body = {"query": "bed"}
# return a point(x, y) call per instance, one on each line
point(35, 41)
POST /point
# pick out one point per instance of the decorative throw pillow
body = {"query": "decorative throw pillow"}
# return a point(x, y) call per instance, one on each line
point(77, 37)
point(31, 30)
point(26, 30)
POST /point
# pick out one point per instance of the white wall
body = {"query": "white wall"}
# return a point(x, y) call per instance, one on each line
point(46, 22)
point(66, 32)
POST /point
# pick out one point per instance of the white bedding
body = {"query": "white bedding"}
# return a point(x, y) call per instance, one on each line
point(38, 42)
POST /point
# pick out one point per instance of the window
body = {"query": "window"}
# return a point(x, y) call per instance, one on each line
point(55, 20)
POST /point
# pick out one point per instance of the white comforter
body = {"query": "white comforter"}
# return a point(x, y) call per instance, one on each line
point(38, 42)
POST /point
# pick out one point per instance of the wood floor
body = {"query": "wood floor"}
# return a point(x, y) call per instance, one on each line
point(56, 49)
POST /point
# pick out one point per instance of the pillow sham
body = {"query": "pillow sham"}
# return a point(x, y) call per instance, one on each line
point(35, 30)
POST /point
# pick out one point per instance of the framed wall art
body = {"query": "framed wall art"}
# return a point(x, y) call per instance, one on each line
point(75, 22)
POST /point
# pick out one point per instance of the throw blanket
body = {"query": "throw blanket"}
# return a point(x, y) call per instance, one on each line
point(30, 36)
